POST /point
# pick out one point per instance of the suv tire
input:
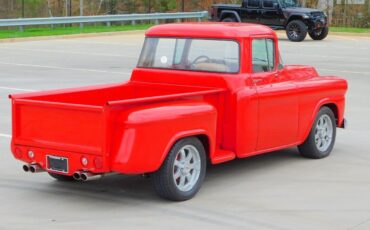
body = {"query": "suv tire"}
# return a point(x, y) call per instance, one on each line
point(229, 19)
point(296, 30)
point(319, 35)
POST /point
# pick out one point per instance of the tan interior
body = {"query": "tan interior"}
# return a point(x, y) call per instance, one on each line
point(211, 67)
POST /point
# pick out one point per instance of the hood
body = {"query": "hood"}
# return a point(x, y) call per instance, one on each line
point(300, 10)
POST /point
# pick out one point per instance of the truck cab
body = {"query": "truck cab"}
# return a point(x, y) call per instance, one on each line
point(201, 92)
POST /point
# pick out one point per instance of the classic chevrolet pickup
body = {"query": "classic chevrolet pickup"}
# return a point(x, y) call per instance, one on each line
point(201, 92)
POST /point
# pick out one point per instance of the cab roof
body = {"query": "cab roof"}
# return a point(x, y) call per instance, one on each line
point(210, 30)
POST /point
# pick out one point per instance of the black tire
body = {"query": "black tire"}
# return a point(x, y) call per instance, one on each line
point(229, 20)
point(296, 30)
point(164, 181)
point(319, 34)
point(310, 148)
point(61, 177)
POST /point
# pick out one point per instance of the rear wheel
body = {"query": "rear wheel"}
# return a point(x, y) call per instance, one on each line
point(182, 173)
point(320, 141)
point(319, 34)
point(229, 19)
point(296, 31)
point(61, 177)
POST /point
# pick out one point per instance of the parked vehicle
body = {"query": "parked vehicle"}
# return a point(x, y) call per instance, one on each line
point(201, 92)
point(285, 15)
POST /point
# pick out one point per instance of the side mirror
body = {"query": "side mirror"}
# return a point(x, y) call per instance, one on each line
point(276, 5)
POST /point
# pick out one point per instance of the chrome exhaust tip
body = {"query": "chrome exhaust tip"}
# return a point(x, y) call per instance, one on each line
point(35, 168)
point(26, 168)
point(77, 175)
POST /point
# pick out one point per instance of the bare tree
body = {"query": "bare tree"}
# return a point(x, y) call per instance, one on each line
point(100, 4)
point(49, 9)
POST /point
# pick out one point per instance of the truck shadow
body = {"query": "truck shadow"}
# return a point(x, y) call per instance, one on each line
point(131, 189)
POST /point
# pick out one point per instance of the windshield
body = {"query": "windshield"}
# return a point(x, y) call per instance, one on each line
point(289, 3)
point(191, 54)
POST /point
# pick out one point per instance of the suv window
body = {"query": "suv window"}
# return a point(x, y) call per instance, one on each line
point(263, 55)
point(254, 3)
point(269, 3)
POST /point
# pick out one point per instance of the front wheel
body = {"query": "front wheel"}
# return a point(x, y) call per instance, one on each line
point(319, 34)
point(320, 141)
point(296, 31)
point(182, 173)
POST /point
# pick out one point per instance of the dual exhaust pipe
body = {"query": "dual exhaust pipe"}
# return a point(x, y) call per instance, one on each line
point(79, 175)
point(33, 168)
point(86, 176)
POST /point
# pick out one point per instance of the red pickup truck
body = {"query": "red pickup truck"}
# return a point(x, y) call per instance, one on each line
point(201, 92)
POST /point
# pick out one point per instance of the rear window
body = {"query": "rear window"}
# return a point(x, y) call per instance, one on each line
point(190, 54)
point(254, 3)
point(269, 3)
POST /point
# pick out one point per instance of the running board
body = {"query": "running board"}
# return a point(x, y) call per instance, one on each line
point(221, 156)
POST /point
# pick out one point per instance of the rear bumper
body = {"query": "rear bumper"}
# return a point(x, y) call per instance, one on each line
point(95, 163)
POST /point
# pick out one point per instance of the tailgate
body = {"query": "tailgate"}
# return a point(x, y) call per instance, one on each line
point(68, 127)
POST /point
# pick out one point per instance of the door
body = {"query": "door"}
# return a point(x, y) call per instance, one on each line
point(271, 14)
point(250, 11)
point(277, 99)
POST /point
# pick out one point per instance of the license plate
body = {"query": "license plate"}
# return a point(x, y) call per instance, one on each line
point(57, 164)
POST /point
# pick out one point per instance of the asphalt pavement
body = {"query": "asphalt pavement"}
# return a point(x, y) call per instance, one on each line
point(279, 190)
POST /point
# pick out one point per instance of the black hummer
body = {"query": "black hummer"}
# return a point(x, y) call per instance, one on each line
point(277, 14)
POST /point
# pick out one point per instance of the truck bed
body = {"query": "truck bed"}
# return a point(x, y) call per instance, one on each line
point(76, 120)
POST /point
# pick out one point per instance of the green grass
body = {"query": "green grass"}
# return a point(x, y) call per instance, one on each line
point(58, 30)
point(35, 32)
point(349, 30)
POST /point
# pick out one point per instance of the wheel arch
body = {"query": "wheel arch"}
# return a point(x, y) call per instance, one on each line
point(332, 105)
point(295, 17)
point(230, 13)
point(202, 135)
point(334, 108)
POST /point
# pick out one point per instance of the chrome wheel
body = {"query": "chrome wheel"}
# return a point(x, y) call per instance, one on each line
point(294, 31)
point(323, 133)
point(186, 168)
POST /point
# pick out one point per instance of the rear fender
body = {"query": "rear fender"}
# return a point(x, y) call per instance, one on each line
point(228, 13)
point(142, 141)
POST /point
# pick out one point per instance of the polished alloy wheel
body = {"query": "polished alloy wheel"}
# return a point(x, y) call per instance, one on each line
point(323, 133)
point(294, 31)
point(186, 168)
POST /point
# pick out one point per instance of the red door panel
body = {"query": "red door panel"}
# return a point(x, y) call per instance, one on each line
point(277, 111)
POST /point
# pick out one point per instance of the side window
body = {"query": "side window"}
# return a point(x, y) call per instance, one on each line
point(269, 3)
point(254, 3)
point(263, 55)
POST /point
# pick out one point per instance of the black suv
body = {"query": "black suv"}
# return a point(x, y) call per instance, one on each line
point(277, 14)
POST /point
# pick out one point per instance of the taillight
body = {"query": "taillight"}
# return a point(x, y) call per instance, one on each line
point(31, 154)
point(213, 12)
point(84, 161)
